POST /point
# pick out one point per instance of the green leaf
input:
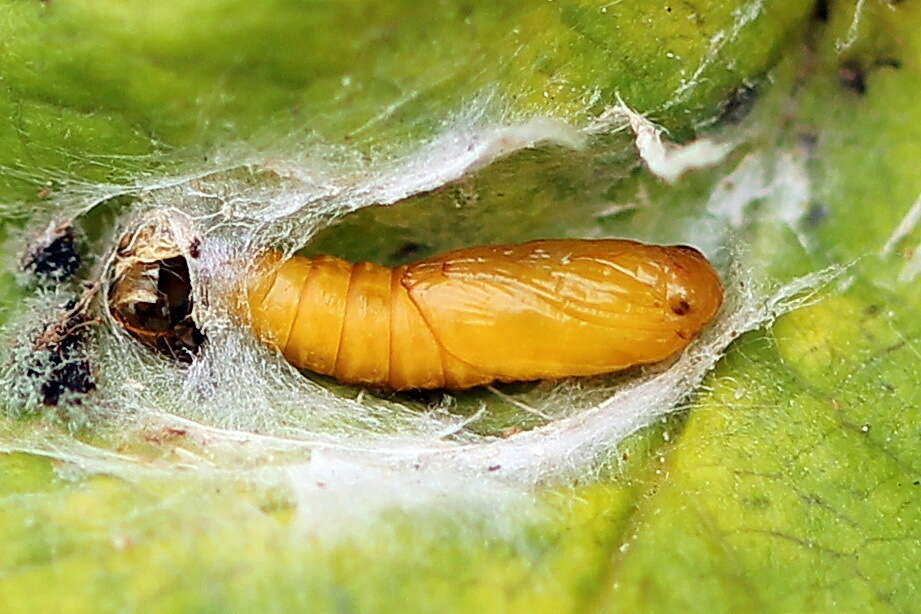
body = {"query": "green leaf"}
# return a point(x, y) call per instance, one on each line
point(790, 482)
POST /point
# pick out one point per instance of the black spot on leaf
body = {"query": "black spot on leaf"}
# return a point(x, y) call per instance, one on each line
point(816, 214)
point(820, 13)
point(739, 104)
point(406, 251)
point(851, 76)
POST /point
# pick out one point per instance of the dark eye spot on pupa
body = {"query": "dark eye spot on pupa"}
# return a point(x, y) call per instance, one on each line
point(680, 307)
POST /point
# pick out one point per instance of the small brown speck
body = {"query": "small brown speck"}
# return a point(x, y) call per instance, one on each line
point(851, 77)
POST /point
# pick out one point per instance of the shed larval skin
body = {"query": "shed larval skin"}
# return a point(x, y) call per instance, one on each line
point(540, 310)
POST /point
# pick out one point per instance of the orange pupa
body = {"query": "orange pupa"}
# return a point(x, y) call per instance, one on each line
point(540, 310)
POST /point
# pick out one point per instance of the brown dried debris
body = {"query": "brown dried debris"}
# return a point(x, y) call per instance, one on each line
point(53, 255)
point(60, 362)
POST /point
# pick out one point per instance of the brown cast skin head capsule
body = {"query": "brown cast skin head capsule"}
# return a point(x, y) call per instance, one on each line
point(150, 293)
